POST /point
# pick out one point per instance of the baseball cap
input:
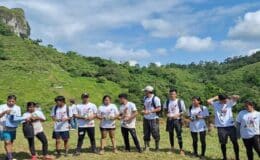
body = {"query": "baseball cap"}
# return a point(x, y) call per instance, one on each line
point(148, 88)
point(84, 95)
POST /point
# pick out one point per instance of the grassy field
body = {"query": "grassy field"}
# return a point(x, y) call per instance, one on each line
point(213, 149)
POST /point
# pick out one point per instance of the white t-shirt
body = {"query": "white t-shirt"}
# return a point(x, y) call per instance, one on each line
point(127, 110)
point(106, 112)
point(223, 113)
point(149, 106)
point(61, 112)
point(15, 110)
point(85, 110)
point(173, 107)
point(250, 123)
point(73, 108)
point(37, 125)
point(198, 125)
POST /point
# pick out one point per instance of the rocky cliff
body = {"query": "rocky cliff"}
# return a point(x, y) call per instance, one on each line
point(15, 19)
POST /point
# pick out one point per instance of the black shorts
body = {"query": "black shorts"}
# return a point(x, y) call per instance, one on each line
point(63, 135)
point(225, 132)
point(107, 129)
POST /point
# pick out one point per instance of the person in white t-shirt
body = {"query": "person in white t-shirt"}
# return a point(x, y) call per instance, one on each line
point(61, 115)
point(152, 106)
point(85, 114)
point(7, 113)
point(197, 114)
point(107, 113)
point(73, 121)
point(35, 118)
point(128, 113)
point(248, 121)
point(174, 109)
point(224, 121)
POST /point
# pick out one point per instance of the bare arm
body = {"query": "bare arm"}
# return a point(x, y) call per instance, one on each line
point(235, 97)
point(134, 114)
point(211, 100)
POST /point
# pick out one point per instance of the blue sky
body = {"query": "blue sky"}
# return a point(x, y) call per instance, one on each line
point(165, 31)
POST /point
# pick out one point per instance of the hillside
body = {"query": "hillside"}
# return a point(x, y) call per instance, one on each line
point(36, 72)
point(28, 72)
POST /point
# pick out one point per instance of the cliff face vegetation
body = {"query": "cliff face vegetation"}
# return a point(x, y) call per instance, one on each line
point(15, 20)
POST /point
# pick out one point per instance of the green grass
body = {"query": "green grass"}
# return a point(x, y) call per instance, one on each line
point(213, 148)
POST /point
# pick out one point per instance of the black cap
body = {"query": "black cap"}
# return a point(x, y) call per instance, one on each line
point(60, 98)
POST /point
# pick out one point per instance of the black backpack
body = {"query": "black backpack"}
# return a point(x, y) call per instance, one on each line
point(28, 130)
point(67, 111)
point(153, 104)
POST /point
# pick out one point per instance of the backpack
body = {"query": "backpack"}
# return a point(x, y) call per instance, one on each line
point(67, 111)
point(153, 104)
point(179, 105)
point(28, 130)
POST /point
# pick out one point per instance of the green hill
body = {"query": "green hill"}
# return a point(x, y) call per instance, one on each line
point(39, 73)
point(30, 72)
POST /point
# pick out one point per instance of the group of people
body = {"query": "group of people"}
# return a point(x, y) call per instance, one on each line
point(84, 115)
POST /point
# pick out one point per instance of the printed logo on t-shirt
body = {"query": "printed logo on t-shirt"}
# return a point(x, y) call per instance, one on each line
point(250, 123)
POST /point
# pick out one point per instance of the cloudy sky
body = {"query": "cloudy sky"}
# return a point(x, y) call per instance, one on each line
point(159, 31)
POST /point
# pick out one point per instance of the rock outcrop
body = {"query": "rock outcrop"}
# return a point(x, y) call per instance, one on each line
point(16, 20)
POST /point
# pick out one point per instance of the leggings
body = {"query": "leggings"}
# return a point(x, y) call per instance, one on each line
point(250, 144)
point(194, 136)
point(41, 136)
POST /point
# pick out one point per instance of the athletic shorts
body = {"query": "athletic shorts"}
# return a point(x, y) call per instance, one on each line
point(65, 135)
point(9, 135)
point(225, 132)
point(1, 135)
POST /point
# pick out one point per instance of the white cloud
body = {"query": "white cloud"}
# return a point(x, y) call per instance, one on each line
point(194, 44)
point(253, 51)
point(85, 26)
point(132, 62)
point(248, 27)
point(119, 52)
point(161, 28)
point(234, 44)
point(158, 64)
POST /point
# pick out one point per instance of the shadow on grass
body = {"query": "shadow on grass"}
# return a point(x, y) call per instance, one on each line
point(26, 155)
point(20, 155)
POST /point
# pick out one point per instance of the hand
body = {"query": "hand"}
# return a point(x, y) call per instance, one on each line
point(176, 116)
point(64, 119)
point(27, 119)
point(34, 118)
point(111, 118)
point(145, 112)
point(126, 118)
point(8, 111)
point(169, 115)
point(89, 118)
point(199, 117)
